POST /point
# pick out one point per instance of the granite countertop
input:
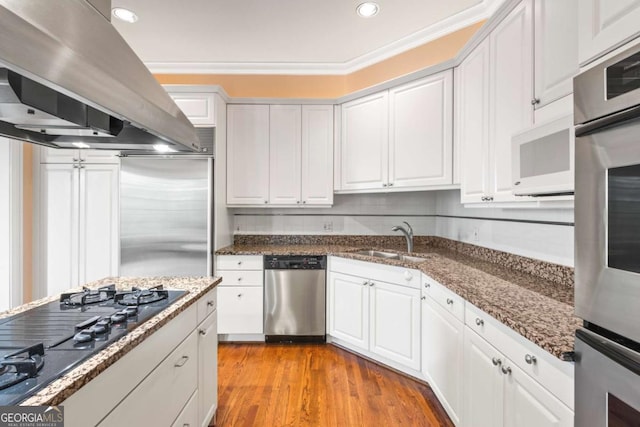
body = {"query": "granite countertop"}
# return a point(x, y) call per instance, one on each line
point(537, 308)
point(59, 390)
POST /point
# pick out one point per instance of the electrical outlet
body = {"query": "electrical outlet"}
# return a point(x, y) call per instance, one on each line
point(475, 234)
point(328, 226)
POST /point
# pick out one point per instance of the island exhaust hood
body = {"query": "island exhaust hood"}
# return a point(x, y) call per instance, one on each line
point(67, 76)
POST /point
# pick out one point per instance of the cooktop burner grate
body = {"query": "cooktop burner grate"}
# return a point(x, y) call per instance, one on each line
point(139, 296)
point(88, 296)
point(20, 365)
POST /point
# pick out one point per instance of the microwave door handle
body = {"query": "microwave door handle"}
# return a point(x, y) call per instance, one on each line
point(602, 123)
point(620, 355)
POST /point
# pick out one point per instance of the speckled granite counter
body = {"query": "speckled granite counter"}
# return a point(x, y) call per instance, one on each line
point(59, 390)
point(532, 297)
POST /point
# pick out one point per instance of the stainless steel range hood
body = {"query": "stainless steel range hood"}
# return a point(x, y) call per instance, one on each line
point(67, 76)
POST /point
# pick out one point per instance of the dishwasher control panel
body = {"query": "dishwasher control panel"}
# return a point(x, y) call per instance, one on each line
point(295, 262)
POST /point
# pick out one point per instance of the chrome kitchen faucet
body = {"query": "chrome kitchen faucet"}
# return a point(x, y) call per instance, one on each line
point(408, 234)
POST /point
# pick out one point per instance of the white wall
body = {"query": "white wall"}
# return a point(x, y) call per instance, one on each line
point(10, 223)
point(553, 243)
point(363, 214)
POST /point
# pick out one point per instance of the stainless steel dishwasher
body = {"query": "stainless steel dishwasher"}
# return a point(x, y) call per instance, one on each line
point(294, 298)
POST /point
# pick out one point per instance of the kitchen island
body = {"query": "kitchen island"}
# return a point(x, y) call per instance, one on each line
point(123, 383)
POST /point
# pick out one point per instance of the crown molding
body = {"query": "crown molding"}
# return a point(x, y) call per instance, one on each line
point(467, 17)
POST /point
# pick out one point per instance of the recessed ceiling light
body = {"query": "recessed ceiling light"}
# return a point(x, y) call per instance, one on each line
point(80, 145)
point(368, 9)
point(161, 148)
point(125, 15)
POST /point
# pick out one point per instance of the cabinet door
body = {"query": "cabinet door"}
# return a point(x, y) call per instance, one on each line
point(604, 25)
point(442, 350)
point(240, 310)
point(207, 369)
point(556, 49)
point(99, 230)
point(198, 107)
point(511, 86)
point(483, 382)
point(58, 230)
point(317, 154)
point(247, 154)
point(284, 154)
point(420, 132)
point(394, 323)
point(472, 131)
point(528, 404)
point(189, 415)
point(365, 136)
point(349, 309)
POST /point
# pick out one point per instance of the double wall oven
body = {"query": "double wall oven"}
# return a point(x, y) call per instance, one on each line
point(607, 242)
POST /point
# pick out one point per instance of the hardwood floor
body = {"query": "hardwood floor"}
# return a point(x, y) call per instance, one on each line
point(317, 385)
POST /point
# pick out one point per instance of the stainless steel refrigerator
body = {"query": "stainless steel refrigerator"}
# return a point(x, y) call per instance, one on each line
point(166, 216)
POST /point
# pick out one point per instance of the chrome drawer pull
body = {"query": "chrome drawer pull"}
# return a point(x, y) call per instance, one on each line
point(423, 298)
point(479, 321)
point(202, 332)
point(449, 301)
point(531, 360)
point(210, 303)
point(427, 285)
point(506, 371)
point(181, 363)
point(239, 295)
point(239, 262)
point(496, 362)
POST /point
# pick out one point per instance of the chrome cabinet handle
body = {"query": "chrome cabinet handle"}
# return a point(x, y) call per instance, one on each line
point(506, 371)
point(74, 159)
point(210, 303)
point(239, 262)
point(384, 185)
point(535, 101)
point(76, 166)
point(298, 201)
point(239, 295)
point(365, 283)
point(202, 332)
point(391, 184)
point(530, 359)
point(371, 283)
point(449, 301)
point(423, 298)
point(490, 199)
point(427, 285)
point(479, 321)
point(496, 362)
point(239, 279)
point(181, 362)
point(266, 201)
point(304, 201)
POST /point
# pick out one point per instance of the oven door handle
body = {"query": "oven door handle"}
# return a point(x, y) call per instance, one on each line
point(608, 121)
point(614, 351)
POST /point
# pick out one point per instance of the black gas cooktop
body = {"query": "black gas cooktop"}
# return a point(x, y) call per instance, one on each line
point(39, 345)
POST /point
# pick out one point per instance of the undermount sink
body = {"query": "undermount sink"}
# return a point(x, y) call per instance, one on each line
point(391, 255)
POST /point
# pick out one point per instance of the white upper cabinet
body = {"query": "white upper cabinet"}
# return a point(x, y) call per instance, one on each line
point(421, 132)
point(285, 130)
point(511, 55)
point(399, 139)
point(198, 107)
point(280, 155)
point(247, 154)
point(497, 77)
point(317, 154)
point(556, 49)
point(605, 25)
point(472, 123)
point(365, 133)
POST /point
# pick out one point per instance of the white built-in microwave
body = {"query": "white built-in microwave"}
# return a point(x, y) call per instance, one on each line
point(543, 159)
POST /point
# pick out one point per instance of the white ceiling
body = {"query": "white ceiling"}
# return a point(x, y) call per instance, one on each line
point(286, 36)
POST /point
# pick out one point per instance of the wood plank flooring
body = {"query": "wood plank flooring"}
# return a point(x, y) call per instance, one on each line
point(317, 385)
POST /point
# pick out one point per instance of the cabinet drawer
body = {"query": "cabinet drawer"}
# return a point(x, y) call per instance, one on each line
point(553, 374)
point(240, 310)
point(241, 277)
point(172, 383)
point(207, 304)
point(377, 272)
point(239, 262)
point(189, 415)
point(449, 300)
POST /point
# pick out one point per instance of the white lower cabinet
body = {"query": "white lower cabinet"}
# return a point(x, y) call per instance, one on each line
point(442, 350)
point(379, 318)
point(498, 393)
point(240, 295)
point(170, 379)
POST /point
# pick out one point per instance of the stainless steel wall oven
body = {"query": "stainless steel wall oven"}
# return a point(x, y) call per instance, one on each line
point(607, 242)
